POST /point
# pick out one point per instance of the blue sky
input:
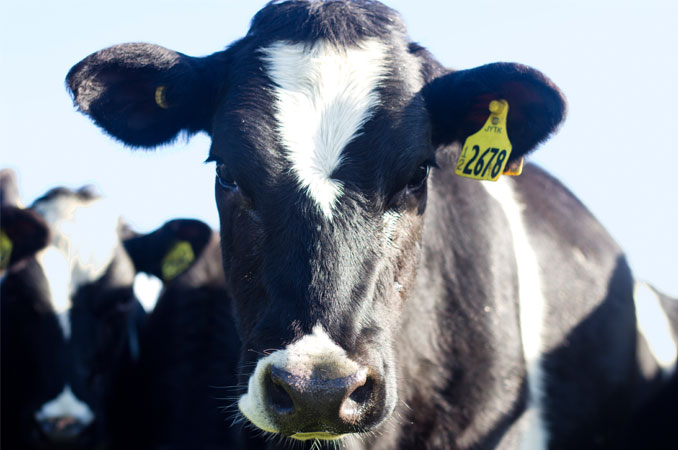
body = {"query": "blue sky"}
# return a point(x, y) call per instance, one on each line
point(615, 61)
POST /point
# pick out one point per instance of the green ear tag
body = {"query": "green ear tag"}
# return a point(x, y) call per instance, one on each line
point(5, 250)
point(485, 153)
point(177, 259)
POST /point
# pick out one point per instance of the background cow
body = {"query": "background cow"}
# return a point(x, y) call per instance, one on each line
point(69, 321)
point(379, 295)
point(189, 346)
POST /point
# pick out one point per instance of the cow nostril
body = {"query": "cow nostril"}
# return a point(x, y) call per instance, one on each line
point(353, 408)
point(362, 393)
point(278, 397)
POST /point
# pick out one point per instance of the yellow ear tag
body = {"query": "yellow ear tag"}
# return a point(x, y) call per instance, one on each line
point(485, 153)
point(177, 259)
point(5, 250)
point(160, 99)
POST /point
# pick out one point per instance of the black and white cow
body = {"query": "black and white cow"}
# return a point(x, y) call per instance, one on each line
point(69, 321)
point(381, 298)
point(189, 346)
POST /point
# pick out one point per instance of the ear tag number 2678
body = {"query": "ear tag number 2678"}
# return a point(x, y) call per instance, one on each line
point(486, 152)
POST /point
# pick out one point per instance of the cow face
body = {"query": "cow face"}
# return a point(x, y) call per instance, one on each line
point(325, 123)
point(69, 317)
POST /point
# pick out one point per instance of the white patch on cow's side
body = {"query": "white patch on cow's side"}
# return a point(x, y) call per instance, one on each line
point(66, 404)
point(147, 289)
point(531, 304)
point(300, 359)
point(324, 95)
point(655, 327)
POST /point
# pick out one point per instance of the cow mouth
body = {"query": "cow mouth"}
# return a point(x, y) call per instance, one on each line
point(320, 435)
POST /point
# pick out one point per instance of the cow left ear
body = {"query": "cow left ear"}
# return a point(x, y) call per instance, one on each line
point(458, 104)
point(144, 94)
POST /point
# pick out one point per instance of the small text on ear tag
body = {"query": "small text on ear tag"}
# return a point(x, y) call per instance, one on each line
point(177, 260)
point(485, 153)
point(5, 250)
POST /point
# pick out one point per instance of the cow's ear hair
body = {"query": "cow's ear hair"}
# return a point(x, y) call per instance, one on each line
point(23, 234)
point(458, 104)
point(149, 252)
point(144, 94)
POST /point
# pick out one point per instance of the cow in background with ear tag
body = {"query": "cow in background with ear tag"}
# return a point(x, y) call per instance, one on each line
point(190, 347)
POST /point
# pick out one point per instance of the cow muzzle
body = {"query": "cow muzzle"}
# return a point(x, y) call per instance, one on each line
point(312, 390)
point(62, 430)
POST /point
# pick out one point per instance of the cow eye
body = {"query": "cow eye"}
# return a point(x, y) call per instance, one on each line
point(419, 177)
point(225, 179)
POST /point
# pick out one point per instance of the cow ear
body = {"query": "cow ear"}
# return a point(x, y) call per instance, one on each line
point(144, 94)
point(9, 190)
point(458, 104)
point(170, 250)
point(23, 234)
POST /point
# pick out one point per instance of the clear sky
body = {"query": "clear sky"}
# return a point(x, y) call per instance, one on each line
point(616, 61)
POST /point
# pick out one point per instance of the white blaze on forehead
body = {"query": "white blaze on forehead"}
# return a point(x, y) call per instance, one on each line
point(85, 231)
point(531, 305)
point(324, 95)
point(57, 271)
point(655, 327)
point(66, 404)
point(302, 358)
point(84, 239)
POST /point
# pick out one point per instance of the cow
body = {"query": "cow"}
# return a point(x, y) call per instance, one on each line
point(382, 300)
point(189, 346)
point(70, 321)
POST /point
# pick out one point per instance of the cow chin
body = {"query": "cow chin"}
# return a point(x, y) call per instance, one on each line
point(312, 390)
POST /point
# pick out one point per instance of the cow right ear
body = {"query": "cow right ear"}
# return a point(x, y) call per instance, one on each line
point(144, 94)
point(458, 104)
point(170, 250)
point(23, 234)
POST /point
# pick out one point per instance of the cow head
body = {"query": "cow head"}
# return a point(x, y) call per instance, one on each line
point(325, 123)
point(69, 318)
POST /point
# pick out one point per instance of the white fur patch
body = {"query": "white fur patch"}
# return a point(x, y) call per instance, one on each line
point(324, 95)
point(531, 303)
point(300, 359)
point(84, 238)
point(653, 324)
point(147, 289)
point(66, 404)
